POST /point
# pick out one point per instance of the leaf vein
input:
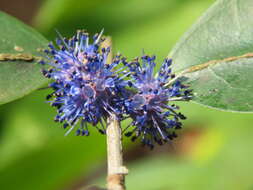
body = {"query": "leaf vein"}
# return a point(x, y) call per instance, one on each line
point(214, 62)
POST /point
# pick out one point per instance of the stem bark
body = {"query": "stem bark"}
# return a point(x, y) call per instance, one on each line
point(116, 170)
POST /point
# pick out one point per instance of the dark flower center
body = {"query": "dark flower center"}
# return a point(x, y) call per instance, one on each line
point(88, 91)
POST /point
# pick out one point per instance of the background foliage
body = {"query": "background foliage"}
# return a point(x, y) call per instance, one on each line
point(213, 151)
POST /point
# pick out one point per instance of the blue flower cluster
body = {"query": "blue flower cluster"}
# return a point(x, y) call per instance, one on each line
point(89, 90)
point(86, 88)
point(154, 120)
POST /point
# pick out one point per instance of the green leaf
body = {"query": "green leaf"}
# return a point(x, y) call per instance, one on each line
point(19, 73)
point(211, 56)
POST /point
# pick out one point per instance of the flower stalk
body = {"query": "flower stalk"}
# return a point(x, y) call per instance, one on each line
point(116, 170)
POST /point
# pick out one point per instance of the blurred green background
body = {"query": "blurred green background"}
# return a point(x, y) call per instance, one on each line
point(213, 151)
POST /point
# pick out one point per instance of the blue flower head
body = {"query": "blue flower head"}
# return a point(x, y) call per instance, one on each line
point(86, 88)
point(154, 116)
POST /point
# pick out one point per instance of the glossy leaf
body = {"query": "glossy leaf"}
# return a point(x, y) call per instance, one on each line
point(215, 56)
point(19, 72)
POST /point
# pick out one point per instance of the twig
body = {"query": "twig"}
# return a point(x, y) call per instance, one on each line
point(116, 170)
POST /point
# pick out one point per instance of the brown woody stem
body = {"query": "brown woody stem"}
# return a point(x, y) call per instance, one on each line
point(116, 170)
